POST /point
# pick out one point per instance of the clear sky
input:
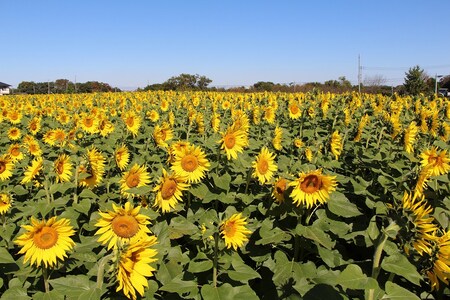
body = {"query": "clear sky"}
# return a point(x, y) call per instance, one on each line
point(130, 44)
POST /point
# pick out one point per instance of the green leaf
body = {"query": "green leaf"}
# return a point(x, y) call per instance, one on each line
point(341, 206)
point(322, 291)
point(72, 285)
point(242, 272)
point(19, 190)
point(396, 292)
point(83, 206)
point(179, 226)
point(142, 190)
point(200, 263)
point(16, 293)
point(271, 235)
point(222, 182)
point(400, 265)
point(87, 193)
point(223, 292)
point(200, 191)
point(51, 295)
point(5, 257)
point(353, 278)
point(245, 292)
point(181, 287)
point(315, 234)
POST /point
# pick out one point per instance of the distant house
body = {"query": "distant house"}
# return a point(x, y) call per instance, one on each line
point(4, 88)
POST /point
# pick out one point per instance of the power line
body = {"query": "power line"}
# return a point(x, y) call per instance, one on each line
point(404, 68)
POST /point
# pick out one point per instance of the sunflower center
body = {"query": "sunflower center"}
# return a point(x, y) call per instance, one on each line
point(33, 126)
point(436, 160)
point(2, 166)
point(189, 163)
point(45, 238)
point(125, 226)
point(230, 140)
point(15, 151)
point(60, 167)
point(294, 109)
point(311, 184)
point(168, 189)
point(263, 166)
point(133, 180)
point(88, 122)
point(229, 228)
point(280, 186)
point(130, 121)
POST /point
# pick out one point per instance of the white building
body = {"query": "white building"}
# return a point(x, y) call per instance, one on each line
point(4, 89)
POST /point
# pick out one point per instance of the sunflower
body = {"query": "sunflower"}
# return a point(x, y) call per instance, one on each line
point(191, 163)
point(134, 267)
point(137, 176)
point(122, 157)
point(264, 166)
point(279, 187)
point(34, 125)
point(233, 142)
point(94, 168)
point(298, 143)
point(14, 133)
point(422, 181)
point(308, 154)
point(46, 241)
point(437, 162)
point(276, 141)
point(63, 168)
point(132, 122)
point(153, 115)
point(294, 110)
point(162, 134)
point(105, 126)
point(34, 148)
point(439, 268)
point(33, 171)
point(312, 188)
point(215, 122)
point(336, 144)
point(122, 225)
point(5, 203)
point(164, 105)
point(14, 153)
point(269, 114)
point(89, 123)
point(15, 116)
point(234, 231)
point(6, 167)
point(169, 191)
point(410, 137)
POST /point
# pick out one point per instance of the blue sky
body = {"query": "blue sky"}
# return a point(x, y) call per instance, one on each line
point(129, 44)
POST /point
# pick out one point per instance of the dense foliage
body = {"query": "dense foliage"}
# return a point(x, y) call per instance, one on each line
point(210, 195)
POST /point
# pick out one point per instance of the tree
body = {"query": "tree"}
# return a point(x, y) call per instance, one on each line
point(375, 81)
point(415, 81)
point(186, 82)
point(264, 86)
point(445, 82)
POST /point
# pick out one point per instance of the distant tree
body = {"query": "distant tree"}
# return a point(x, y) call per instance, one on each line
point(375, 80)
point(344, 82)
point(415, 81)
point(26, 87)
point(264, 86)
point(186, 82)
point(445, 82)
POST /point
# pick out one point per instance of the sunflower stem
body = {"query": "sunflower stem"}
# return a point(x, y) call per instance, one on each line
point(75, 192)
point(376, 261)
point(216, 248)
point(47, 191)
point(45, 277)
point(101, 269)
point(249, 174)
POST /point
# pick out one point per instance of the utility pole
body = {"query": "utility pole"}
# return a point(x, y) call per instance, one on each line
point(436, 76)
point(75, 84)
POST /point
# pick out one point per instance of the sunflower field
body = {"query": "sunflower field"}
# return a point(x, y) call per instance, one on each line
point(210, 195)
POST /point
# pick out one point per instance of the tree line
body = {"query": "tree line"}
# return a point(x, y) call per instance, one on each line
point(63, 86)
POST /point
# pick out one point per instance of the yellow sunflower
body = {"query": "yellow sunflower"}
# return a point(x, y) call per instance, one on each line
point(437, 162)
point(122, 225)
point(6, 167)
point(336, 144)
point(34, 125)
point(89, 123)
point(132, 122)
point(105, 126)
point(276, 141)
point(46, 241)
point(169, 191)
point(137, 176)
point(279, 188)
point(308, 154)
point(63, 168)
point(215, 122)
point(153, 115)
point(134, 267)
point(191, 163)
point(5, 202)
point(122, 157)
point(14, 133)
point(410, 137)
point(233, 142)
point(94, 168)
point(234, 231)
point(312, 188)
point(14, 153)
point(162, 134)
point(34, 148)
point(264, 166)
point(15, 116)
point(439, 270)
point(33, 171)
point(294, 110)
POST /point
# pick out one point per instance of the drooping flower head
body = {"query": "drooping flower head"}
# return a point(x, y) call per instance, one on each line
point(94, 168)
point(439, 262)
point(47, 241)
point(234, 232)
point(122, 157)
point(191, 162)
point(6, 167)
point(137, 176)
point(134, 266)
point(33, 172)
point(312, 188)
point(63, 168)
point(162, 134)
point(336, 144)
point(264, 166)
point(410, 137)
point(122, 225)
point(279, 187)
point(437, 162)
point(278, 135)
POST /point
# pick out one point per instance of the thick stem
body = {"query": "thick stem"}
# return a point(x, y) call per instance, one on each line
point(101, 270)
point(376, 261)
point(47, 191)
point(45, 277)
point(249, 175)
point(75, 192)
point(216, 248)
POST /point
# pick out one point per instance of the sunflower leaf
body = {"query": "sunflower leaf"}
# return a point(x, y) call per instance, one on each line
point(400, 265)
point(5, 256)
point(341, 206)
point(394, 291)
